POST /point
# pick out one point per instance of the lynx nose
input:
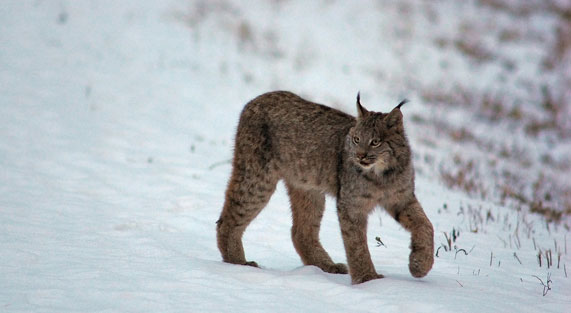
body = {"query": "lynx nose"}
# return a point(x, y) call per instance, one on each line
point(361, 155)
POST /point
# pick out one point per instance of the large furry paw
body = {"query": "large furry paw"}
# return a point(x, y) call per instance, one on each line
point(420, 262)
point(365, 278)
point(338, 268)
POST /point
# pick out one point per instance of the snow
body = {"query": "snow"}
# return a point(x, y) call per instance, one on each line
point(116, 128)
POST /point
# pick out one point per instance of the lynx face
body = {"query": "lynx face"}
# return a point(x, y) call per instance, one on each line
point(378, 142)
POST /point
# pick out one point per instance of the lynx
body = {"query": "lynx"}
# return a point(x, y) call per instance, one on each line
point(363, 162)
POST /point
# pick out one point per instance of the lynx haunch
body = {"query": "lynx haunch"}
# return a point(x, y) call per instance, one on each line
point(363, 162)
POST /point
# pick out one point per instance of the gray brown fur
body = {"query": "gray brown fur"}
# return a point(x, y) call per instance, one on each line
point(364, 162)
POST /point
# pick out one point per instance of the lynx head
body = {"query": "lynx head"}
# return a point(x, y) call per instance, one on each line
point(378, 141)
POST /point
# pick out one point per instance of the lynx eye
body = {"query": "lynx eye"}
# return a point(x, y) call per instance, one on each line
point(356, 139)
point(375, 142)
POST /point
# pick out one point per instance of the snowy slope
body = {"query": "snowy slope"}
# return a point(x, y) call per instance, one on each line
point(116, 128)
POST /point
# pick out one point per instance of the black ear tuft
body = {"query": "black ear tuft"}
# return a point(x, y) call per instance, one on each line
point(402, 102)
point(360, 109)
point(394, 118)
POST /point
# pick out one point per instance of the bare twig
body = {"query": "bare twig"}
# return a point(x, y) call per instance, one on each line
point(379, 242)
point(214, 165)
point(459, 283)
point(548, 258)
point(455, 254)
point(515, 256)
point(455, 234)
point(546, 286)
point(491, 257)
point(505, 243)
point(437, 250)
point(448, 241)
point(517, 242)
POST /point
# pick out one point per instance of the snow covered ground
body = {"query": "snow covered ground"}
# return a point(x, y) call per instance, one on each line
point(116, 128)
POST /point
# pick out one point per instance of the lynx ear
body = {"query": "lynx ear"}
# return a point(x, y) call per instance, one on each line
point(395, 117)
point(360, 109)
point(404, 101)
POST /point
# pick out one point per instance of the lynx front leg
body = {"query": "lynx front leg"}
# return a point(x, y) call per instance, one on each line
point(354, 231)
point(412, 218)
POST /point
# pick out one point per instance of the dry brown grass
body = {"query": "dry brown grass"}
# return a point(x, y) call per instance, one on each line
point(464, 175)
point(500, 171)
point(474, 49)
point(493, 107)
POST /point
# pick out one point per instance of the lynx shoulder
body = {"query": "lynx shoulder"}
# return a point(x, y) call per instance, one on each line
point(362, 161)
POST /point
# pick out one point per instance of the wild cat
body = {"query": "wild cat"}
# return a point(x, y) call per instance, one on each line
point(363, 162)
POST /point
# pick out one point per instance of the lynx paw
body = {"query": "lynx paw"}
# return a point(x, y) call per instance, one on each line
point(251, 263)
point(338, 268)
point(420, 262)
point(247, 263)
point(365, 278)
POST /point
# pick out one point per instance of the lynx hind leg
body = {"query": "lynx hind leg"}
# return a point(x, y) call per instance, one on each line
point(413, 219)
point(251, 185)
point(307, 210)
point(246, 196)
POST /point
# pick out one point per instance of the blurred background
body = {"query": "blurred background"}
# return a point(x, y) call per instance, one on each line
point(489, 80)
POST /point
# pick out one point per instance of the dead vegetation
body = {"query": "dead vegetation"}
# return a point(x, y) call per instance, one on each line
point(200, 15)
point(503, 168)
point(515, 231)
point(503, 137)
point(450, 244)
point(527, 8)
point(546, 285)
point(551, 115)
point(464, 176)
point(476, 50)
point(547, 197)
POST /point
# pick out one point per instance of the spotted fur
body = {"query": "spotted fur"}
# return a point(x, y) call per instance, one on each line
point(364, 162)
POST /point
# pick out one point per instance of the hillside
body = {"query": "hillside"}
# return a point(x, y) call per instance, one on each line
point(117, 121)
